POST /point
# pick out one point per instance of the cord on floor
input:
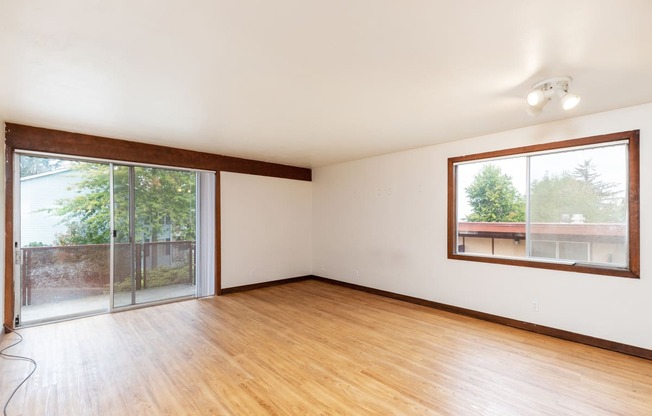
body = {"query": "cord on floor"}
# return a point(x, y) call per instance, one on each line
point(3, 354)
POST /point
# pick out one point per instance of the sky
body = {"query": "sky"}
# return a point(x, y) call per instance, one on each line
point(610, 161)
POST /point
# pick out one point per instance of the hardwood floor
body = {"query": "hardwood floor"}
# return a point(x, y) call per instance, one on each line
point(316, 349)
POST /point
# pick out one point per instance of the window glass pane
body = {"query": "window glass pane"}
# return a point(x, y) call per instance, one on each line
point(544, 249)
point(578, 200)
point(569, 250)
point(491, 207)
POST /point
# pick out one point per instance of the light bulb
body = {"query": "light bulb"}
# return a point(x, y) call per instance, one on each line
point(535, 98)
point(569, 101)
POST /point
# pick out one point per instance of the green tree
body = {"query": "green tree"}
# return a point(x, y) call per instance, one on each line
point(494, 198)
point(607, 192)
point(87, 215)
point(164, 198)
point(556, 198)
point(36, 244)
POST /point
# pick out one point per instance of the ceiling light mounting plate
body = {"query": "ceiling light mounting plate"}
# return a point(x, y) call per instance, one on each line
point(553, 83)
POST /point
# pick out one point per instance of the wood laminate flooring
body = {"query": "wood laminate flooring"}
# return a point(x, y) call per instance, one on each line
point(311, 348)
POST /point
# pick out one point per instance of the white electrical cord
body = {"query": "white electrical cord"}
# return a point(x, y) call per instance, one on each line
point(3, 354)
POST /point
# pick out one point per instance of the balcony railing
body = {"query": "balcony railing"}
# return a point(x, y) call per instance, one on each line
point(55, 274)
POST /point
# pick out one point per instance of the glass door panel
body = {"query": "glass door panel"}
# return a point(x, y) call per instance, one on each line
point(63, 238)
point(155, 228)
point(165, 206)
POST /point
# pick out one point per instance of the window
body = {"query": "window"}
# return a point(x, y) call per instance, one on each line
point(570, 205)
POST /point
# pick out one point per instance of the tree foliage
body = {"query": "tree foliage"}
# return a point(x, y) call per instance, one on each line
point(494, 198)
point(164, 200)
point(556, 198)
point(553, 198)
point(87, 215)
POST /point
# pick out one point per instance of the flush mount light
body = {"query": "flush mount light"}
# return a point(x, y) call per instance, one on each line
point(543, 91)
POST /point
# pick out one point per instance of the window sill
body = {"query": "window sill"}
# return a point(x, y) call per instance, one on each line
point(568, 266)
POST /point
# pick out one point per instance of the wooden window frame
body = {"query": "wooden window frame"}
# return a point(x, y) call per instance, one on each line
point(633, 268)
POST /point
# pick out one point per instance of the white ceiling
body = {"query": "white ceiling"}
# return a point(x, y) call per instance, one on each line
point(311, 83)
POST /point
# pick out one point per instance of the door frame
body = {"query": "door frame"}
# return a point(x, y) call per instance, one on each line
point(16, 243)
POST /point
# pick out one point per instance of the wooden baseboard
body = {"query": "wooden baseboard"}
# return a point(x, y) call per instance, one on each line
point(527, 326)
point(236, 289)
point(539, 329)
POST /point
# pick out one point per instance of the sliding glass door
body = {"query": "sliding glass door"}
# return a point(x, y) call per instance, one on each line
point(154, 217)
point(92, 236)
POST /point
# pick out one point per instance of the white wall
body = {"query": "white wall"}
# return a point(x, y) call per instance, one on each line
point(266, 229)
point(381, 222)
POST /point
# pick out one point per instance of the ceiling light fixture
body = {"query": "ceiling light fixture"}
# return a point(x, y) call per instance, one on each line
point(543, 91)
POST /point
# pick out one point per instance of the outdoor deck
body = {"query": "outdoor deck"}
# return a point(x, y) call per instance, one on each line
point(52, 311)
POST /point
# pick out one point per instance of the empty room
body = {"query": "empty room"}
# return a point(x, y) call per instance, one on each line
point(246, 207)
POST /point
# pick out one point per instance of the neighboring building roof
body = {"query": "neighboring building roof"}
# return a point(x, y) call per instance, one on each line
point(44, 174)
point(517, 229)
